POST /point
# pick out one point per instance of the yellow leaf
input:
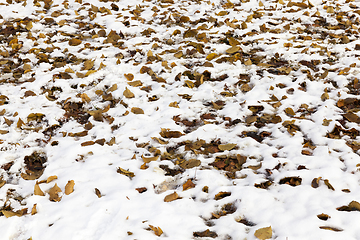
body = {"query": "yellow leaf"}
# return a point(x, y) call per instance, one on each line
point(189, 84)
point(69, 188)
point(112, 88)
point(224, 147)
point(263, 233)
point(174, 104)
point(233, 49)
point(29, 25)
point(211, 56)
point(248, 62)
point(157, 230)
point(33, 210)
point(54, 193)
point(88, 64)
point(37, 190)
point(90, 72)
point(128, 94)
point(51, 178)
point(85, 97)
point(149, 159)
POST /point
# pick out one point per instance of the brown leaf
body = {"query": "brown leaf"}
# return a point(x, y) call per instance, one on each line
point(74, 42)
point(327, 183)
point(165, 133)
point(171, 197)
point(125, 172)
point(188, 184)
point(69, 187)
point(128, 94)
point(88, 64)
point(222, 195)
point(87, 143)
point(37, 190)
point(206, 233)
point(233, 49)
point(141, 190)
point(51, 178)
point(292, 181)
point(54, 193)
point(137, 110)
point(229, 146)
point(323, 216)
point(352, 117)
point(263, 233)
point(331, 228)
point(191, 163)
point(129, 76)
point(98, 193)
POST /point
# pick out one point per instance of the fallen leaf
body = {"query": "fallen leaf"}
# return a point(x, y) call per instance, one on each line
point(69, 187)
point(263, 233)
point(125, 172)
point(206, 233)
point(191, 163)
point(165, 133)
point(98, 193)
point(54, 193)
point(149, 159)
point(224, 147)
point(137, 110)
point(331, 228)
point(33, 210)
point(171, 197)
point(157, 230)
point(188, 184)
point(51, 178)
point(74, 42)
point(128, 94)
point(323, 216)
point(222, 195)
point(37, 190)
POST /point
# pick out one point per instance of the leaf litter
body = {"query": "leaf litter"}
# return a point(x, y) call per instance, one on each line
point(212, 109)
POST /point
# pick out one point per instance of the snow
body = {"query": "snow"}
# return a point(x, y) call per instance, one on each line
point(121, 210)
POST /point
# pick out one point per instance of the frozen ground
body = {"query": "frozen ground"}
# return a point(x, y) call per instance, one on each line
point(179, 119)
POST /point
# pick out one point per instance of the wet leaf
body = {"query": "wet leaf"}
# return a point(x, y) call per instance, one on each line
point(54, 193)
point(69, 187)
point(263, 233)
point(125, 172)
point(171, 197)
point(87, 143)
point(88, 64)
point(33, 210)
point(352, 206)
point(233, 49)
point(141, 190)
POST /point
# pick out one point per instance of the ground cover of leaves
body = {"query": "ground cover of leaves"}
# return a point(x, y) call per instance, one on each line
point(179, 119)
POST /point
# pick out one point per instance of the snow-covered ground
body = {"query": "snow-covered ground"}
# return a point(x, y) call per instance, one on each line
point(179, 119)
